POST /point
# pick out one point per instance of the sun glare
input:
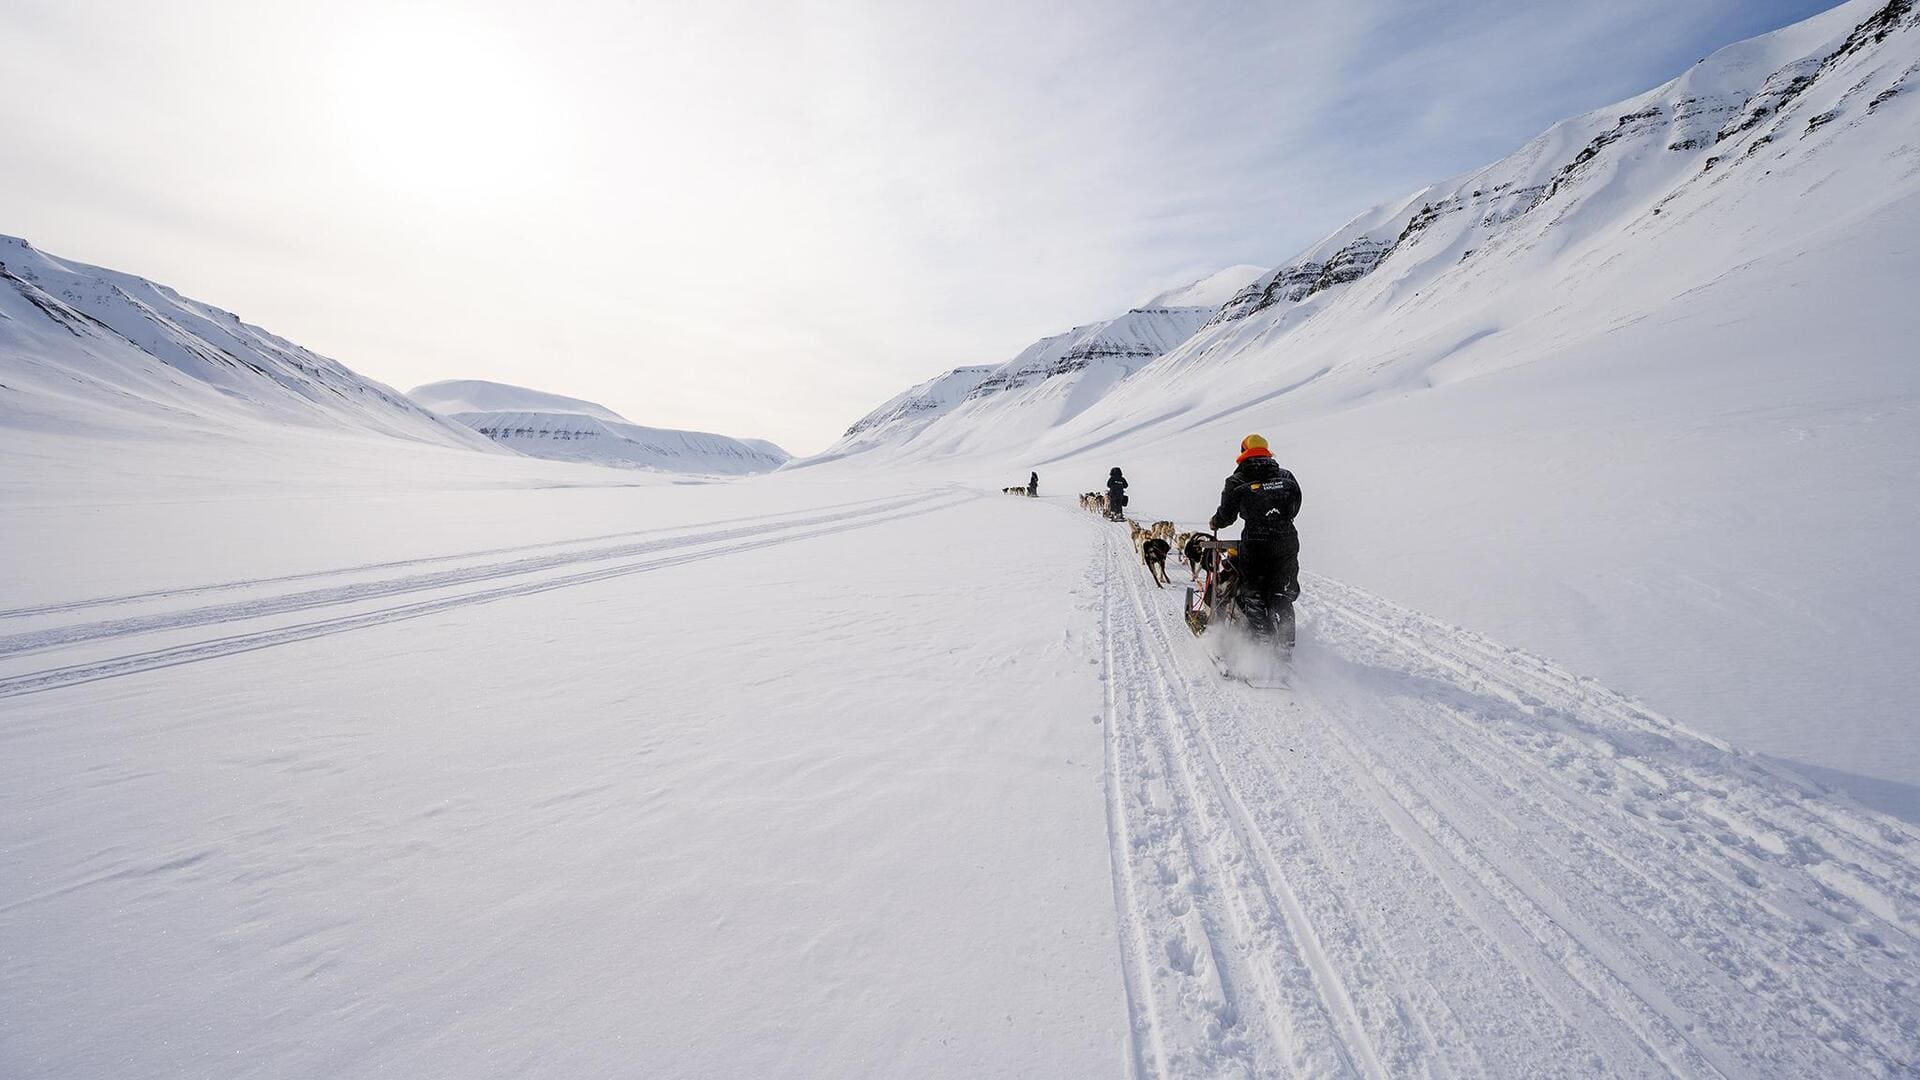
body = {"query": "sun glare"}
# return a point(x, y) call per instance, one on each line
point(438, 109)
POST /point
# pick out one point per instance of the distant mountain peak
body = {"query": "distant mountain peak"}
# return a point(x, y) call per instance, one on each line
point(453, 396)
point(87, 348)
point(544, 425)
point(1211, 291)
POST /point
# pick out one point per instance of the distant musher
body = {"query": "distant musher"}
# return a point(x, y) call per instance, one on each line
point(1267, 563)
point(1033, 485)
point(1116, 494)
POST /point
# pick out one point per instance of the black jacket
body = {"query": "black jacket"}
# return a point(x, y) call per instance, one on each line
point(1116, 485)
point(1266, 496)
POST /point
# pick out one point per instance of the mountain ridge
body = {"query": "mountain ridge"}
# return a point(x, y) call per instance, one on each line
point(1630, 397)
point(553, 426)
point(1045, 384)
point(86, 348)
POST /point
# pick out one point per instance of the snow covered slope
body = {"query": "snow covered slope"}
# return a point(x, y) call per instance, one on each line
point(545, 425)
point(1640, 179)
point(1052, 380)
point(91, 352)
point(480, 396)
point(1211, 291)
point(1634, 397)
point(901, 417)
point(974, 409)
point(566, 436)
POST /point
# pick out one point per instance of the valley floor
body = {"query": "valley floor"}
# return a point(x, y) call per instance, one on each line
point(785, 779)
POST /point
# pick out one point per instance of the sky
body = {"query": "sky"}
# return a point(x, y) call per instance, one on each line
point(761, 218)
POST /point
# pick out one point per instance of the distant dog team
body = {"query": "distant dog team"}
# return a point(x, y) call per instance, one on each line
point(1154, 542)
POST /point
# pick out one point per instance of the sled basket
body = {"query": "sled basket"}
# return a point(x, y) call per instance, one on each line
point(1197, 613)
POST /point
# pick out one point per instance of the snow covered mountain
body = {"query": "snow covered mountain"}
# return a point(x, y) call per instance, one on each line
point(480, 396)
point(905, 414)
point(88, 351)
point(1046, 385)
point(1745, 140)
point(1630, 397)
point(1054, 379)
point(1211, 291)
point(545, 425)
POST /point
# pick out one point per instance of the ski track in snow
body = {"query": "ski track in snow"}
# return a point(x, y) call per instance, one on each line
point(429, 560)
point(1438, 856)
point(535, 572)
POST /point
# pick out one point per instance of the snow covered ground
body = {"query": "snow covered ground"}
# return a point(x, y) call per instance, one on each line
point(337, 742)
point(809, 775)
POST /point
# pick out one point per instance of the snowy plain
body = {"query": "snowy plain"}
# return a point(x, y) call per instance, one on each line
point(831, 776)
point(643, 788)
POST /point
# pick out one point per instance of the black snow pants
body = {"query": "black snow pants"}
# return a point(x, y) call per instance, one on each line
point(1267, 582)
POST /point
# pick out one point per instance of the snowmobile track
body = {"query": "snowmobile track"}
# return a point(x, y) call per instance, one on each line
point(704, 546)
point(1442, 856)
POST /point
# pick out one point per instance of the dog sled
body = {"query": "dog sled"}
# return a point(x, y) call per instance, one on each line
point(1214, 614)
point(1211, 601)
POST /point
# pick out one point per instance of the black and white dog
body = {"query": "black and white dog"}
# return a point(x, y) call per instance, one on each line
point(1198, 557)
point(1153, 552)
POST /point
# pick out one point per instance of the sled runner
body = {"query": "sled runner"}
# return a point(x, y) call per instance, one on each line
point(1211, 601)
point(1211, 607)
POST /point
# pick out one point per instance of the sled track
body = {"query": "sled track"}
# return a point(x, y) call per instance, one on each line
point(618, 563)
point(53, 637)
point(432, 560)
point(1235, 981)
point(1440, 856)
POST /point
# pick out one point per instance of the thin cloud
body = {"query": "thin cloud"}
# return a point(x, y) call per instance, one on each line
point(761, 218)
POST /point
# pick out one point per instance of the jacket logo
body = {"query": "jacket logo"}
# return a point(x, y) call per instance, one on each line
point(1253, 487)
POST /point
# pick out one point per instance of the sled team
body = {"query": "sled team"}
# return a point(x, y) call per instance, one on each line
point(1260, 571)
point(1031, 489)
